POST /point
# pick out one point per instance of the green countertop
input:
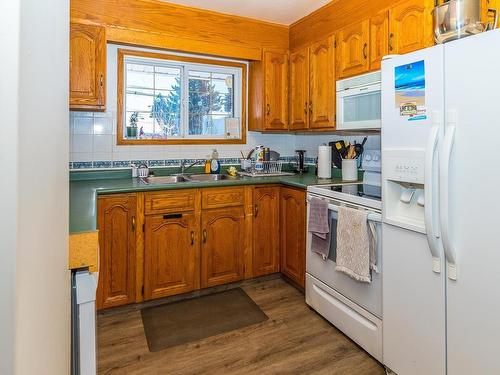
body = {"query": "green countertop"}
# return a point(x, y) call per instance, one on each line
point(84, 191)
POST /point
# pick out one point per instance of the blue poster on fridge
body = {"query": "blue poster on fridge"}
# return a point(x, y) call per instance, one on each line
point(410, 90)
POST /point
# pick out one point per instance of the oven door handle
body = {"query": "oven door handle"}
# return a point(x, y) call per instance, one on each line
point(372, 216)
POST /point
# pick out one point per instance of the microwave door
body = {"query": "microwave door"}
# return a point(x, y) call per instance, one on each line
point(359, 108)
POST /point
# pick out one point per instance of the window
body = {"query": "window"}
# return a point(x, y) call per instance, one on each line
point(165, 99)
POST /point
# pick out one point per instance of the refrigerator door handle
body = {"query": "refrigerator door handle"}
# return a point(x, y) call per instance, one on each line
point(430, 196)
point(445, 158)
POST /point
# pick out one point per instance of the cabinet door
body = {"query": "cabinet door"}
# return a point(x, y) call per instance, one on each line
point(322, 87)
point(379, 39)
point(299, 89)
point(353, 49)
point(223, 239)
point(171, 254)
point(266, 245)
point(276, 91)
point(293, 234)
point(487, 13)
point(117, 258)
point(410, 27)
point(87, 67)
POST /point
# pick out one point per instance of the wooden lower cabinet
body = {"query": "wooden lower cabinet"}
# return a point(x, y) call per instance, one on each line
point(266, 242)
point(222, 248)
point(116, 221)
point(293, 234)
point(171, 255)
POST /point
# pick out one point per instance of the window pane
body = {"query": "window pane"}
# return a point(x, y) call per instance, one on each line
point(139, 100)
point(167, 78)
point(140, 76)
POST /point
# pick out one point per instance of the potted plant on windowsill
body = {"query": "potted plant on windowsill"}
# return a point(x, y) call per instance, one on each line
point(132, 127)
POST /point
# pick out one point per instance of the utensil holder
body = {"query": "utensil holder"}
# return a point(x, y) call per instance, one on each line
point(349, 170)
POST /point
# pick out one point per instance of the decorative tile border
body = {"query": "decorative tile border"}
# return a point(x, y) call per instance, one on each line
point(121, 164)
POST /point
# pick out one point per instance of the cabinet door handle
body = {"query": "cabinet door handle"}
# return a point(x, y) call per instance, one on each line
point(204, 235)
point(133, 223)
point(256, 210)
point(310, 107)
point(101, 80)
point(391, 36)
point(268, 110)
point(305, 108)
point(192, 237)
point(365, 46)
point(172, 216)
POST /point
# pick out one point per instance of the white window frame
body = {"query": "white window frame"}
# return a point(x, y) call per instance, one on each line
point(185, 68)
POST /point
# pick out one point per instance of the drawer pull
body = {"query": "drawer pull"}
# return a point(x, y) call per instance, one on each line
point(172, 216)
point(192, 238)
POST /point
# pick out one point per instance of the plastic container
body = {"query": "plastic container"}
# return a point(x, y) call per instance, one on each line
point(349, 170)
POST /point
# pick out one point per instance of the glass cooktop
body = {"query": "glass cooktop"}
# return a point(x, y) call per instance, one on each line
point(359, 190)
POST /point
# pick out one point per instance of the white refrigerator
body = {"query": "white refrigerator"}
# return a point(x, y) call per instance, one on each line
point(441, 249)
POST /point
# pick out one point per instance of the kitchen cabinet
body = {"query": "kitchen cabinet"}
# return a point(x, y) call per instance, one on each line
point(487, 15)
point(410, 26)
point(171, 254)
point(312, 86)
point(379, 39)
point(322, 86)
point(116, 221)
point(268, 92)
point(266, 221)
point(87, 80)
point(299, 89)
point(223, 239)
point(353, 49)
point(293, 234)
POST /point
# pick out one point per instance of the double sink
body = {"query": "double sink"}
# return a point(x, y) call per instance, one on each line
point(177, 179)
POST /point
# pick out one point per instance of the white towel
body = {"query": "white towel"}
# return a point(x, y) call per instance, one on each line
point(353, 244)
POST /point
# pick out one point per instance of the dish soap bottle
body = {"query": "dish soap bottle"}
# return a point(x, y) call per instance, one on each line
point(214, 163)
point(208, 164)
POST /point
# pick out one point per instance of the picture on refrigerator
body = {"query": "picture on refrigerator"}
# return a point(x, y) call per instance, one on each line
point(410, 90)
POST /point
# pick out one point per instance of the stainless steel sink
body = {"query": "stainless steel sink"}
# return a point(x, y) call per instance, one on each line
point(208, 177)
point(165, 179)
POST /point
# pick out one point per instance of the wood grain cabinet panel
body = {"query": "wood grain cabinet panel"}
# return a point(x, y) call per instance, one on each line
point(225, 197)
point(170, 201)
point(487, 14)
point(266, 241)
point(171, 255)
point(353, 49)
point(410, 26)
point(222, 250)
point(293, 234)
point(116, 221)
point(299, 89)
point(379, 39)
point(322, 86)
point(87, 66)
point(268, 92)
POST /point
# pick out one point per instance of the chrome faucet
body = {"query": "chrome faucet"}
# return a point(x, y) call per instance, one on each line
point(183, 165)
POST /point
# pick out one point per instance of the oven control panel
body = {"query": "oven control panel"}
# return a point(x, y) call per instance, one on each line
point(405, 165)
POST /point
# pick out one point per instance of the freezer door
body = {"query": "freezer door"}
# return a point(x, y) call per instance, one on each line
point(472, 84)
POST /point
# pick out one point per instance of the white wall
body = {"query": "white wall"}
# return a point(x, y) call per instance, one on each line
point(34, 311)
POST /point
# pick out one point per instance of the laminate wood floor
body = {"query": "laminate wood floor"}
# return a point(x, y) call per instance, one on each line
point(295, 340)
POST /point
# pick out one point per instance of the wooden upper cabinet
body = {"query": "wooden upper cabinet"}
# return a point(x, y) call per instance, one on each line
point(487, 14)
point(293, 234)
point(87, 61)
point(222, 250)
point(353, 49)
point(379, 39)
point(276, 91)
point(171, 255)
point(268, 93)
point(266, 242)
point(410, 26)
point(299, 89)
point(322, 84)
point(117, 243)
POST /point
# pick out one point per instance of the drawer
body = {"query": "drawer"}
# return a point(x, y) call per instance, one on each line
point(225, 197)
point(170, 201)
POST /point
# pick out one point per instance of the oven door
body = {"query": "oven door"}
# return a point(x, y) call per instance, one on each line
point(366, 295)
point(359, 108)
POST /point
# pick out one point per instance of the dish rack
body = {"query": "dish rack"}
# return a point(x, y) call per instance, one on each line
point(262, 168)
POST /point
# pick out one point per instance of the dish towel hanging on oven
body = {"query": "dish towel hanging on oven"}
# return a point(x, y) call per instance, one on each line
point(356, 244)
point(319, 226)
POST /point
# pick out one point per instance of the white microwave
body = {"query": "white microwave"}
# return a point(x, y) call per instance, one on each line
point(359, 102)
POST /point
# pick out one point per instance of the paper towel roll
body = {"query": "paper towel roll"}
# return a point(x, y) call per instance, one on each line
point(324, 161)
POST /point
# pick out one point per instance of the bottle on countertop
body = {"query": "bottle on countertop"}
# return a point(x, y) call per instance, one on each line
point(208, 164)
point(215, 163)
point(259, 158)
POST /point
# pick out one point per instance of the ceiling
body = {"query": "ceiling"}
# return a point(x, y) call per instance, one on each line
point(284, 12)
